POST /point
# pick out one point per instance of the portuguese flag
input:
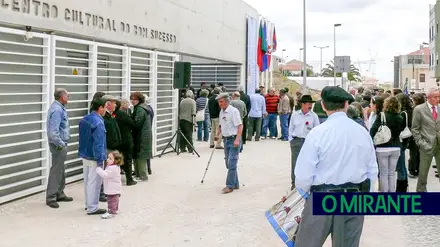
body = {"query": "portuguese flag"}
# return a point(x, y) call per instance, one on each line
point(262, 47)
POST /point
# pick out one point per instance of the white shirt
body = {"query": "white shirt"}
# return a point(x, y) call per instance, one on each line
point(430, 107)
point(301, 124)
point(371, 119)
point(229, 120)
point(336, 152)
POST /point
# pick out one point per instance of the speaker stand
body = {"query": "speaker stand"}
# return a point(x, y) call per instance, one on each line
point(177, 135)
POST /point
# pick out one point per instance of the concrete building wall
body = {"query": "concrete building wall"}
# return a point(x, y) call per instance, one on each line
point(213, 29)
point(436, 38)
point(432, 36)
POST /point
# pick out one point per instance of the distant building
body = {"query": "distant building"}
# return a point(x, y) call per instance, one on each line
point(433, 54)
point(294, 67)
point(414, 68)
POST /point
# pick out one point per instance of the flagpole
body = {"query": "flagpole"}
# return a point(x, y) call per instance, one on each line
point(304, 46)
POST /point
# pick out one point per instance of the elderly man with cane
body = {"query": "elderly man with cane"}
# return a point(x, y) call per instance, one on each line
point(231, 128)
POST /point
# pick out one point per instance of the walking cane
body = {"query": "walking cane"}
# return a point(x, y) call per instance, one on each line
point(209, 161)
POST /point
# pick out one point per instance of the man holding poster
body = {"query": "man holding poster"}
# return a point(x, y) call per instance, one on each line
point(337, 156)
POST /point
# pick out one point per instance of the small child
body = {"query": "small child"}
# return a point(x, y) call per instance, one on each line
point(112, 182)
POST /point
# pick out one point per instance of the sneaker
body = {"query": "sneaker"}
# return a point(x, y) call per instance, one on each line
point(107, 215)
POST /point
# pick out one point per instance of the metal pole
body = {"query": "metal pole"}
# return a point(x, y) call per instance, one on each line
point(304, 46)
point(320, 63)
point(320, 66)
point(334, 54)
point(283, 61)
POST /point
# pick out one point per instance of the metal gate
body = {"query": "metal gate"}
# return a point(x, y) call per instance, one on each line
point(166, 100)
point(30, 70)
point(142, 77)
point(74, 70)
point(24, 101)
point(228, 74)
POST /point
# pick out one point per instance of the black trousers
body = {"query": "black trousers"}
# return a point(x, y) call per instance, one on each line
point(128, 165)
point(244, 133)
point(414, 158)
point(187, 131)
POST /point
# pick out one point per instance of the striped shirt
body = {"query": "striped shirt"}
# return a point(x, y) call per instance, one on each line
point(201, 103)
point(272, 103)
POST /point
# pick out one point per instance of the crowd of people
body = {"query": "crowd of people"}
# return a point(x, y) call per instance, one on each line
point(264, 113)
point(259, 113)
point(112, 135)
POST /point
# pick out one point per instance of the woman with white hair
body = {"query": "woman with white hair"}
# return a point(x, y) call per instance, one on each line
point(202, 111)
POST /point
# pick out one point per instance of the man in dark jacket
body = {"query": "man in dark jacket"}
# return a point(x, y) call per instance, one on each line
point(142, 136)
point(214, 112)
point(247, 101)
point(317, 108)
point(292, 103)
point(126, 124)
point(113, 134)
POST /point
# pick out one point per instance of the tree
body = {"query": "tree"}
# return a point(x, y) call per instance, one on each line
point(354, 74)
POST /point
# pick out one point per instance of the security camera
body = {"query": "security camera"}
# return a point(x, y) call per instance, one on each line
point(28, 35)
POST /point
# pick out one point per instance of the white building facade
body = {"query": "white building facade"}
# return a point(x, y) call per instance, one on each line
point(117, 47)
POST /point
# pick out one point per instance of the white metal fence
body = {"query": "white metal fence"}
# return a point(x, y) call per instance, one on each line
point(29, 73)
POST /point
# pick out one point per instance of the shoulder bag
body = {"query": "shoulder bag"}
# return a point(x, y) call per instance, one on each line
point(200, 115)
point(406, 133)
point(383, 135)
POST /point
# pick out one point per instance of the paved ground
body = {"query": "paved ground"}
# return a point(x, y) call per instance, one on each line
point(174, 209)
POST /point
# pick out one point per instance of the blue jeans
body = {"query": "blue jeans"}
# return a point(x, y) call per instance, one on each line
point(231, 161)
point(203, 126)
point(92, 185)
point(284, 121)
point(270, 121)
point(402, 173)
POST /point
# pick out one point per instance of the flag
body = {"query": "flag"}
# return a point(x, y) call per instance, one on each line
point(264, 47)
point(260, 52)
point(274, 40)
point(269, 45)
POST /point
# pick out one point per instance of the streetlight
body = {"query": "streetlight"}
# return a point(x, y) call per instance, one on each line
point(334, 51)
point(284, 73)
point(304, 46)
point(282, 61)
point(321, 47)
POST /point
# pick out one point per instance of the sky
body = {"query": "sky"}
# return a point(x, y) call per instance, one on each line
point(371, 29)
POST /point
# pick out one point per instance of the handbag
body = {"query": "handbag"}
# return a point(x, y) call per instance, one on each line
point(383, 135)
point(406, 133)
point(200, 115)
